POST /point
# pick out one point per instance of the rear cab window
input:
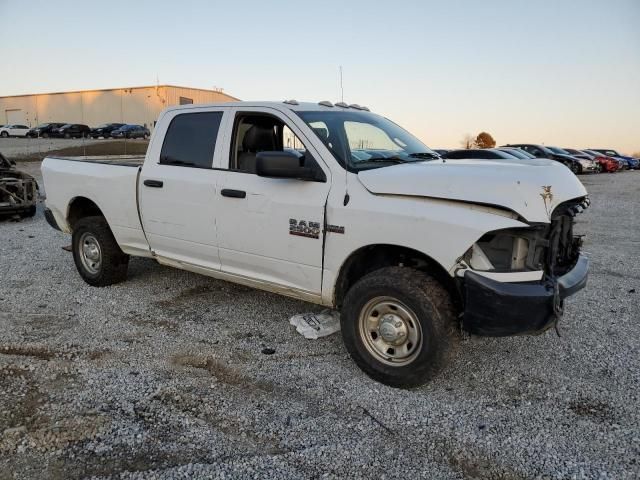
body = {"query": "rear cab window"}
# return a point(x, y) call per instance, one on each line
point(190, 140)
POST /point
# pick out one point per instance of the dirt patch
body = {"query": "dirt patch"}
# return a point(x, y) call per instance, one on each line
point(115, 147)
point(223, 373)
point(35, 351)
point(594, 410)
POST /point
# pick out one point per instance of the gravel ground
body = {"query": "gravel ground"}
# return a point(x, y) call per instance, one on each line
point(163, 376)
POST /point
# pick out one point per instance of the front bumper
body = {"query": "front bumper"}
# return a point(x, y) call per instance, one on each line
point(499, 309)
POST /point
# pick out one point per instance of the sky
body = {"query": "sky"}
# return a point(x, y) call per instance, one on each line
point(558, 72)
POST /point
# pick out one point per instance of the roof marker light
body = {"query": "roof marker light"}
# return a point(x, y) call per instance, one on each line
point(342, 105)
point(291, 102)
point(325, 103)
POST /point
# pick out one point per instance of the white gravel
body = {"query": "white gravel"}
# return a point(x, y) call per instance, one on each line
point(163, 376)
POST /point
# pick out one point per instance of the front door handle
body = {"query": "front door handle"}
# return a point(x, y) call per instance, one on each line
point(227, 192)
point(153, 183)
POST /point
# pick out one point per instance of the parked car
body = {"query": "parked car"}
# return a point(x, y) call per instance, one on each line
point(441, 151)
point(131, 131)
point(631, 163)
point(411, 247)
point(72, 130)
point(602, 166)
point(13, 131)
point(483, 153)
point(587, 165)
point(541, 151)
point(517, 152)
point(44, 130)
point(105, 130)
point(610, 164)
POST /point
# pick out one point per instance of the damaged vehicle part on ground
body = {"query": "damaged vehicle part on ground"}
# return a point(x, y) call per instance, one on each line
point(18, 190)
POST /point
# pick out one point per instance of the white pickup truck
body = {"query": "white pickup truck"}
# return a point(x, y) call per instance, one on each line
point(341, 207)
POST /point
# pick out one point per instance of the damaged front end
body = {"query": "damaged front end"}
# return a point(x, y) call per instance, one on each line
point(18, 190)
point(517, 279)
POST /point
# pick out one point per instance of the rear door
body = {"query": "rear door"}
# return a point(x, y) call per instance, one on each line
point(270, 229)
point(178, 194)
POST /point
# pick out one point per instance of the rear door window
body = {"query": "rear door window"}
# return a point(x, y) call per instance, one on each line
point(190, 140)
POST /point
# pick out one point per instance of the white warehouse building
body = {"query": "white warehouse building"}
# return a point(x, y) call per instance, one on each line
point(137, 105)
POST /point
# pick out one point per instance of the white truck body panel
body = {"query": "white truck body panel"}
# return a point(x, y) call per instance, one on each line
point(512, 184)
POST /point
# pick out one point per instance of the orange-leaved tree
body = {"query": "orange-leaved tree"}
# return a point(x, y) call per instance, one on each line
point(485, 140)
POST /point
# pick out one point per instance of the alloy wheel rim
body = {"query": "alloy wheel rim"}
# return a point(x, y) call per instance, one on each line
point(390, 331)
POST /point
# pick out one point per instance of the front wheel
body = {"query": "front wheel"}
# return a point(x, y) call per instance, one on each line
point(45, 135)
point(4, 134)
point(399, 326)
point(96, 253)
point(575, 168)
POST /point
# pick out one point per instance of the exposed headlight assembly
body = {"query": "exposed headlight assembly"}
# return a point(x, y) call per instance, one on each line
point(514, 249)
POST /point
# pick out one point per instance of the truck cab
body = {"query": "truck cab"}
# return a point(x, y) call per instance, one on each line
point(338, 206)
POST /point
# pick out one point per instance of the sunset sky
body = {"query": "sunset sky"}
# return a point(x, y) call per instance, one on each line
point(563, 73)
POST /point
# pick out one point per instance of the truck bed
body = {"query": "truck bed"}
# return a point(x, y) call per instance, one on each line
point(121, 160)
point(110, 183)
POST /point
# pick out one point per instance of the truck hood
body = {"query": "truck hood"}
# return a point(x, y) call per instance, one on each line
point(530, 188)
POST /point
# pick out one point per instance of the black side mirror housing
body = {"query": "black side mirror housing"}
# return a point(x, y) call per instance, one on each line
point(282, 164)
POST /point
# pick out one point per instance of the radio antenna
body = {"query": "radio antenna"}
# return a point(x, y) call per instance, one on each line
point(341, 87)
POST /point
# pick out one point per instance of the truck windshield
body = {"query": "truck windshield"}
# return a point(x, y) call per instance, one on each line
point(364, 140)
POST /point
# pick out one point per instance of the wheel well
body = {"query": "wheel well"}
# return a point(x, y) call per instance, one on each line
point(373, 257)
point(81, 207)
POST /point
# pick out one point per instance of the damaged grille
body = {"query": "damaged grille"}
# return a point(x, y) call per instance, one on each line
point(551, 247)
point(564, 247)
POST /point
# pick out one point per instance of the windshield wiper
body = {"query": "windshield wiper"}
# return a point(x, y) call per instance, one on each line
point(386, 160)
point(429, 155)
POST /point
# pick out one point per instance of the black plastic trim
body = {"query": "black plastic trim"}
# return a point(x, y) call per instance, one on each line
point(501, 309)
point(48, 216)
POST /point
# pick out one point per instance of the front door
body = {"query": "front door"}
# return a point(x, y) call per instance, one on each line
point(177, 188)
point(270, 229)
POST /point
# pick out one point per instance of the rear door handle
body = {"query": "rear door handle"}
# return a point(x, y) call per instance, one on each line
point(153, 183)
point(227, 192)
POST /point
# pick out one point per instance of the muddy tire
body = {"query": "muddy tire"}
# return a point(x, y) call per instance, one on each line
point(96, 253)
point(399, 326)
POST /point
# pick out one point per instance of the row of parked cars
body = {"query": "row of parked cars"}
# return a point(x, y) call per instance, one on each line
point(590, 160)
point(75, 130)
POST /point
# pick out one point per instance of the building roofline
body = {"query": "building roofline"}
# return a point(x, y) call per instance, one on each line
point(119, 88)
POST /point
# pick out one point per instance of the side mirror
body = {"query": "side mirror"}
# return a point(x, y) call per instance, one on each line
point(283, 164)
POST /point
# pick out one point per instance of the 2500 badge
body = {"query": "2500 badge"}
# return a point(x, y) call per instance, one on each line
point(303, 228)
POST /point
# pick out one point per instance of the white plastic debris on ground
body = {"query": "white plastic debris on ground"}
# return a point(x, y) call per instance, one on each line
point(316, 325)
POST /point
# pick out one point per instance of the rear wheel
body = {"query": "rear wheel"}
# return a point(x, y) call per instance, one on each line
point(399, 326)
point(4, 134)
point(96, 253)
point(45, 135)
